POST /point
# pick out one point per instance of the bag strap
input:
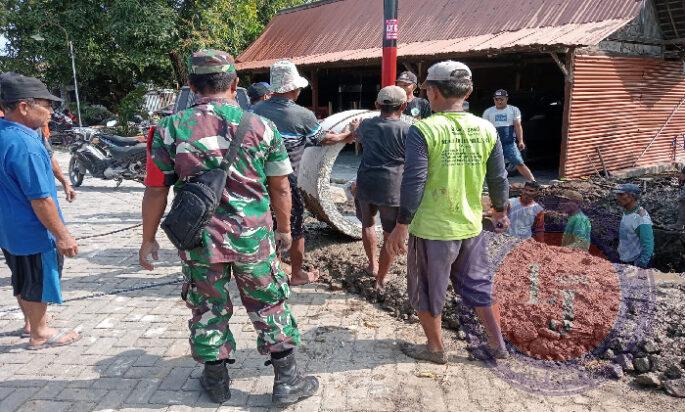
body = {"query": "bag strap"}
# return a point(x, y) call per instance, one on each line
point(243, 128)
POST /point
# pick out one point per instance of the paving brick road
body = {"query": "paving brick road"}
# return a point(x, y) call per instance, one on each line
point(134, 354)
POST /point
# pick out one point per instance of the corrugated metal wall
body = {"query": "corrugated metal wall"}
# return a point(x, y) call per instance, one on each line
point(619, 104)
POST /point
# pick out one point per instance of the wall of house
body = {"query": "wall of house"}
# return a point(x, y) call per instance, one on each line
point(619, 105)
point(641, 37)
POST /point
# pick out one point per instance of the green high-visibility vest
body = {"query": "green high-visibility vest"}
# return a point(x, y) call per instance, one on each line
point(459, 145)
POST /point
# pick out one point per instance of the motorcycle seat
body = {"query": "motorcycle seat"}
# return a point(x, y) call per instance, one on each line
point(120, 140)
point(123, 153)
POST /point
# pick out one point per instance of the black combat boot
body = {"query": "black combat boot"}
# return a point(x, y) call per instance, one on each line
point(216, 382)
point(289, 384)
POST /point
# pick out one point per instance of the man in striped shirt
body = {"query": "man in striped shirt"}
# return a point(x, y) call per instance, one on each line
point(299, 128)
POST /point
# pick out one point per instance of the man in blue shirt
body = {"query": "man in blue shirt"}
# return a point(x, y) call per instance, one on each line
point(33, 237)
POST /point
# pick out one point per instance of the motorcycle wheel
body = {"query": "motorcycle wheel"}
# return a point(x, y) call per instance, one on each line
point(75, 175)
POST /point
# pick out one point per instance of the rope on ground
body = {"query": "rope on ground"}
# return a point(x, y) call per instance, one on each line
point(93, 295)
point(110, 233)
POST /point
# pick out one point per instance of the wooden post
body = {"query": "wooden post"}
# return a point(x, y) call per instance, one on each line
point(567, 70)
point(315, 90)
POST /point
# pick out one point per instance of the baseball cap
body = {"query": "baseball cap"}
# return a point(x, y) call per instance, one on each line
point(209, 61)
point(629, 188)
point(257, 90)
point(391, 96)
point(14, 86)
point(286, 78)
point(571, 195)
point(407, 77)
point(501, 93)
point(445, 72)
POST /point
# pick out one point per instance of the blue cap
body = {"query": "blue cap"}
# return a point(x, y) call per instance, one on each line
point(629, 188)
point(258, 90)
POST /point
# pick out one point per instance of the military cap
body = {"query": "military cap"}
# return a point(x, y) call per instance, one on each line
point(208, 61)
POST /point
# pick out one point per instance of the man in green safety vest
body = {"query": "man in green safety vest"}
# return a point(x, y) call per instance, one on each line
point(448, 158)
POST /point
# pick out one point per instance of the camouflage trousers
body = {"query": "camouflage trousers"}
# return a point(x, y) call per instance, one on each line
point(263, 290)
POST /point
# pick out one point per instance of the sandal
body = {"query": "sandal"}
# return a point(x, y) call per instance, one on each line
point(53, 342)
point(421, 352)
point(486, 353)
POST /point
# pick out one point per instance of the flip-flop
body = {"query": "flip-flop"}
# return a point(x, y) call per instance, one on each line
point(421, 352)
point(486, 353)
point(53, 341)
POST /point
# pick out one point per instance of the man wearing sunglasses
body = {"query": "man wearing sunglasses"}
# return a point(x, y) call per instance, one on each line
point(507, 120)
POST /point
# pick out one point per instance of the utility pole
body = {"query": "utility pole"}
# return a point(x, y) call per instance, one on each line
point(73, 69)
point(390, 36)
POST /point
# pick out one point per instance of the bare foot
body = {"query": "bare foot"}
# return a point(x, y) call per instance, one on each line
point(371, 270)
point(304, 278)
point(26, 330)
point(287, 268)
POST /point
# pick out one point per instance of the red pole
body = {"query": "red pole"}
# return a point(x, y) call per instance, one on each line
point(390, 35)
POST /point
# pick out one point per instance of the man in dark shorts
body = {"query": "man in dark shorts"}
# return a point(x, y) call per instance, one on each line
point(380, 175)
point(448, 158)
point(299, 128)
point(33, 237)
point(417, 107)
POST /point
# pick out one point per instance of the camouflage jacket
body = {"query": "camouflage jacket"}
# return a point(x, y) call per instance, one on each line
point(194, 141)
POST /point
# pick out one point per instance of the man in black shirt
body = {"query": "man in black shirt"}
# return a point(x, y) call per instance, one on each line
point(380, 175)
point(417, 107)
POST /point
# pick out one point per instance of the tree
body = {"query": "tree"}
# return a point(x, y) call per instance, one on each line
point(122, 43)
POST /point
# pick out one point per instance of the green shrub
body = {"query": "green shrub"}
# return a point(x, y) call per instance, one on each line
point(92, 114)
point(129, 107)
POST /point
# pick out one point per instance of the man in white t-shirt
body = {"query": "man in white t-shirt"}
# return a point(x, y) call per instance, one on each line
point(507, 120)
point(526, 215)
point(635, 233)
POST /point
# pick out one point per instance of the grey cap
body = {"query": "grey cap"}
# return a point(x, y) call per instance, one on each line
point(14, 87)
point(407, 77)
point(629, 188)
point(444, 71)
point(391, 96)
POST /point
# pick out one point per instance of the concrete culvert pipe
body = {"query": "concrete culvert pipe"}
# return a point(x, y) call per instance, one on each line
point(314, 177)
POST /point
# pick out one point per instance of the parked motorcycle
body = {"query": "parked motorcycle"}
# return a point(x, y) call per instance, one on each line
point(106, 156)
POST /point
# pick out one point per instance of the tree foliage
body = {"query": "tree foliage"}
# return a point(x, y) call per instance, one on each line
point(122, 43)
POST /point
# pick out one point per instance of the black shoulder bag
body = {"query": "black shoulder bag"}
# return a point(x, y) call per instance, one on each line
point(196, 201)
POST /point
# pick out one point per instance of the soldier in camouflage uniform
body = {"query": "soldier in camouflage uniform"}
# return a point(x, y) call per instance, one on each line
point(239, 240)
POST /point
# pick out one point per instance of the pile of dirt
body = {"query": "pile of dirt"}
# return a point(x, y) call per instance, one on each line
point(623, 330)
